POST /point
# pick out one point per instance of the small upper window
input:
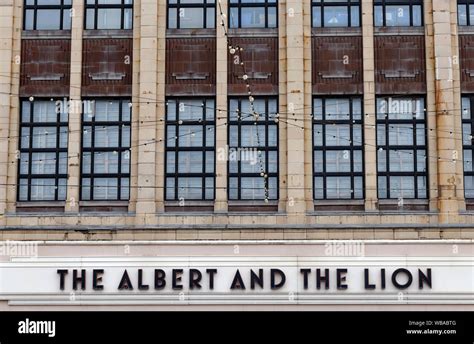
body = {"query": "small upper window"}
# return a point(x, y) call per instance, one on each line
point(109, 14)
point(191, 14)
point(253, 13)
point(398, 12)
point(336, 13)
point(465, 12)
point(47, 15)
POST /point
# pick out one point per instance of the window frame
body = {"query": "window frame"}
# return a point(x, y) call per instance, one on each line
point(205, 123)
point(409, 3)
point(468, 4)
point(346, 3)
point(30, 151)
point(387, 147)
point(350, 147)
point(92, 149)
point(96, 6)
point(35, 7)
point(178, 5)
point(265, 149)
point(239, 5)
point(471, 146)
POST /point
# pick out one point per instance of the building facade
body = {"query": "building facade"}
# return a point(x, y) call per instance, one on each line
point(237, 135)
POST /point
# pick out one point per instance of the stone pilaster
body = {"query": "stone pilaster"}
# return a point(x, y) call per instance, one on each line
point(160, 108)
point(295, 52)
point(432, 161)
point(370, 167)
point(221, 204)
point(135, 106)
point(10, 44)
point(447, 116)
point(74, 135)
point(147, 109)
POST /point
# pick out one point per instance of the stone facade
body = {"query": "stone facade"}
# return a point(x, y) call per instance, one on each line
point(145, 216)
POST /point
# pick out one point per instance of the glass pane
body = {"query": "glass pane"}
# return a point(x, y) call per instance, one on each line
point(318, 188)
point(466, 108)
point(105, 189)
point(48, 19)
point(336, 16)
point(402, 187)
point(397, 15)
point(253, 17)
point(462, 15)
point(170, 194)
point(338, 188)
point(109, 18)
point(191, 18)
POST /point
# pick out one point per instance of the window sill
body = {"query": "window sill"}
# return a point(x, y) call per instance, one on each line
point(253, 206)
point(108, 33)
point(187, 33)
point(399, 30)
point(466, 30)
point(48, 34)
point(408, 205)
point(257, 32)
point(339, 205)
point(189, 206)
point(40, 207)
point(103, 206)
point(339, 31)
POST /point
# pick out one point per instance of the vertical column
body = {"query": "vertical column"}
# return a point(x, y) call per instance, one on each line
point(160, 108)
point(456, 76)
point(308, 106)
point(369, 106)
point(221, 204)
point(135, 106)
point(432, 161)
point(447, 115)
point(10, 42)
point(295, 102)
point(74, 135)
point(147, 109)
point(283, 108)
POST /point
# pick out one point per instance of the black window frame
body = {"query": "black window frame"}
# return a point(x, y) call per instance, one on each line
point(270, 119)
point(346, 3)
point(409, 3)
point(466, 3)
point(178, 5)
point(64, 8)
point(205, 124)
point(415, 148)
point(470, 147)
point(59, 125)
point(93, 124)
point(96, 6)
point(351, 147)
point(239, 5)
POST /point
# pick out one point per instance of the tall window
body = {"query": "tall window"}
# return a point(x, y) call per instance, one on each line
point(338, 148)
point(47, 15)
point(465, 12)
point(398, 12)
point(191, 14)
point(401, 148)
point(253, 149)
point(336, 13)
point(43, 151)
point(468, 146)
point(190, 149)
point(253, 13)
point(109, 14)
point(106, 150)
